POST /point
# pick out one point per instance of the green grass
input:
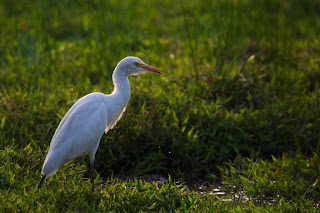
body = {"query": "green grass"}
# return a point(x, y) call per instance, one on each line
point(242, 84)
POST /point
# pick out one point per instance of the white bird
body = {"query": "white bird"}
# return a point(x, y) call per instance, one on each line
point(81, 129)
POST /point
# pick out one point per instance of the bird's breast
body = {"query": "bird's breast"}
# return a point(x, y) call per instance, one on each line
point(114, 114)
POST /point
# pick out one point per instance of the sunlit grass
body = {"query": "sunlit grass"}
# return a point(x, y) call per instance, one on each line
point(242, 84)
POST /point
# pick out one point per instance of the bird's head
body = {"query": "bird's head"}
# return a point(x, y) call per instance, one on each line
point(135, 66)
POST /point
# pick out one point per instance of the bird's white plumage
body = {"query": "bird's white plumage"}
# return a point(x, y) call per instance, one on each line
point(78, 133)
point(81, 129)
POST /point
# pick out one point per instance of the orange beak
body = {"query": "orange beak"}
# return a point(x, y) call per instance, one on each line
point(150, 68)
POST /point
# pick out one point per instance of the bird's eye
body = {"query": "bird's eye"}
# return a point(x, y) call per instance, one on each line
point(136, 64)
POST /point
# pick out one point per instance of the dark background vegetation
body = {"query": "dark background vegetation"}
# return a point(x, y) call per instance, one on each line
point(242, 84)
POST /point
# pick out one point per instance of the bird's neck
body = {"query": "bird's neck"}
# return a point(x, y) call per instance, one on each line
point(121, 85)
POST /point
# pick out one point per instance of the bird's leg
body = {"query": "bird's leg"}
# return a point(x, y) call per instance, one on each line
point(91, 174)
point(41, 181)
point(91, 169)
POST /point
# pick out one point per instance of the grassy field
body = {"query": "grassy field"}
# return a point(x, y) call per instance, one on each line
point(238, 110)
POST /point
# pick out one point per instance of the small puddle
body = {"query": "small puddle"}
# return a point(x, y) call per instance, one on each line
point(228, 193)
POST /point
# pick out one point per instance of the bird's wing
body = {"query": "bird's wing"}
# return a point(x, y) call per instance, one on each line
point(85, 121)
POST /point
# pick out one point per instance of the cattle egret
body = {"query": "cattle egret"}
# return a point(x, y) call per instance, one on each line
point(81, 129)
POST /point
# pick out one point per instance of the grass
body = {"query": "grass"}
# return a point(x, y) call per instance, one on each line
point(242, 84)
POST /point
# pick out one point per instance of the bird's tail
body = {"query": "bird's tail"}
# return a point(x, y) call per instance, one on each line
point(41, 181)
